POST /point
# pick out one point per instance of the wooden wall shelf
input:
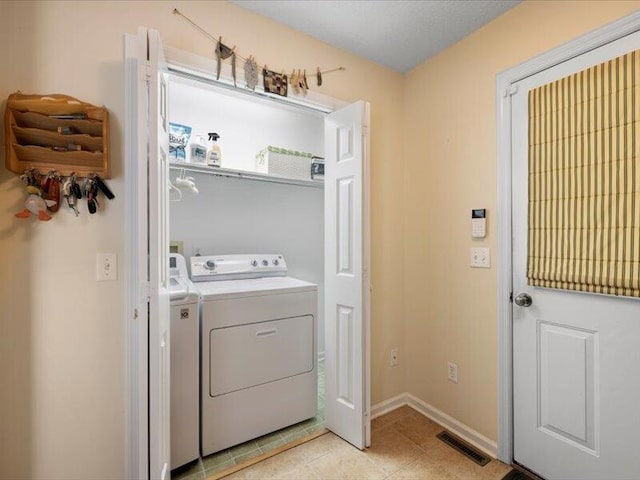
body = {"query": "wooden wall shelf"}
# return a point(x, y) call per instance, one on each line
point(33, 139)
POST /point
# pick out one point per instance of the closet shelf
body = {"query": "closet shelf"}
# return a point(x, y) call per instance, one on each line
point(244, 174)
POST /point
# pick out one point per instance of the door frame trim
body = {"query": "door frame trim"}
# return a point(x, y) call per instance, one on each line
point(136, 442)
point(136, 362)
point(504, 81)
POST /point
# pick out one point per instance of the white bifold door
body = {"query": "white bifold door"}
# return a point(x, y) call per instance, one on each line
point(576, 355)
point(149, 142)
point(346, 273)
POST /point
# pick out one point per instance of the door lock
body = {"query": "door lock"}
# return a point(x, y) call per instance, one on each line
point(523, 300)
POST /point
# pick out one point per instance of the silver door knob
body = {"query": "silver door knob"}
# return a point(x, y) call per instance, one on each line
point(523, 300)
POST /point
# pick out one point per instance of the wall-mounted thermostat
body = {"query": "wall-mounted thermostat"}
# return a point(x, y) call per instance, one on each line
point(479, 222)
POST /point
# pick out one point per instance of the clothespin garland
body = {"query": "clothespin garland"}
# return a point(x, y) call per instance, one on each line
point(222, 53)
point(293, 80)
point(273, 82)
point(251, 73)
point(298, 81)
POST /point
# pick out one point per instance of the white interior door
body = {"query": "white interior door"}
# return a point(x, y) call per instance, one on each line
point(346, 273)
point(153, 149)
point(575, 355)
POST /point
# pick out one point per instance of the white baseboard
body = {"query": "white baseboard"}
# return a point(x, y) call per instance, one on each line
point(388, 405)
point(463, 431)
point(456, 427)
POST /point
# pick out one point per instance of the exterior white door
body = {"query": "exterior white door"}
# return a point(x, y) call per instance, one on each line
point(576, 385)
point(153, 150)
point(346, 273)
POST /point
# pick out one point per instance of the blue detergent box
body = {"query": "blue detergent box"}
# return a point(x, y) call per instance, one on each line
point(178, 140)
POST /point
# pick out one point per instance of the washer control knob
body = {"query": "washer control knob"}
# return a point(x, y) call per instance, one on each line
point(276, 262)
point(210, 265)
point(254, 263)
point(265, 263)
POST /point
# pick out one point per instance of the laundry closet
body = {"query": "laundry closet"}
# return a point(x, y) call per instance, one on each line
point(262, 214)
point(248, 221)
point(253, 263)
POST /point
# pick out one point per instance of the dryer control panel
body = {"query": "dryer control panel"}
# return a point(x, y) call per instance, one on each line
point(234, 267)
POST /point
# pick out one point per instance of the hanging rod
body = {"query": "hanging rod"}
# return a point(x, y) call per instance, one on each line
point(244, 174)
point(215, 41)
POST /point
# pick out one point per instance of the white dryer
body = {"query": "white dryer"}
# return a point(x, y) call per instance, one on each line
point(184, 361)
point(258, 344)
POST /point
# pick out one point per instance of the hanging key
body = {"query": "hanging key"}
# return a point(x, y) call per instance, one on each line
point(68, 195)
point(94, 193)
point(75, 188)
point(91, 191)
point(53, 190)
point(103, 188)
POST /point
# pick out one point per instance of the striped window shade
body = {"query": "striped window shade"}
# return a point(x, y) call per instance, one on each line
point(584, 180)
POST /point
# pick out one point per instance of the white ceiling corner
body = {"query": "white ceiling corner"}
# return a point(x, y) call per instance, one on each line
point(399, 34)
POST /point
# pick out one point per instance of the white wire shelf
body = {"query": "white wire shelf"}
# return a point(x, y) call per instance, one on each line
point(243, 174)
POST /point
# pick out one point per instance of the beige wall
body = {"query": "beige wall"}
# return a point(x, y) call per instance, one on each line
point(450, 148)
point(62, 333)
point(433, 154)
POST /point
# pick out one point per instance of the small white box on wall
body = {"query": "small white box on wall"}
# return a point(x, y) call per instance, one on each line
point(479, 223)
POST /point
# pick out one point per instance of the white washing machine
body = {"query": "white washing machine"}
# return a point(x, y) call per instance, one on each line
point(185, 364)
point(258, 343)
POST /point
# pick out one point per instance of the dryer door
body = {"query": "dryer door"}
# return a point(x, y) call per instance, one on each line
point(249, 355)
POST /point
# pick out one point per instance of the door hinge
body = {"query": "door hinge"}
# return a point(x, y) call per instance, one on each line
point(148, 70)
point(510, 90)
point(145, 291)
point(511, 297)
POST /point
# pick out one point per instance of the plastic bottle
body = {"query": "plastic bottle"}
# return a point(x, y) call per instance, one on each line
point(198, 150)
point(214, 154)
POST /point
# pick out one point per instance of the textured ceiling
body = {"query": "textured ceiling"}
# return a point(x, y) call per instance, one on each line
point(398, 34)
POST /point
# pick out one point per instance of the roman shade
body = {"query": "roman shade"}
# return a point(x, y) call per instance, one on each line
point(584, 180)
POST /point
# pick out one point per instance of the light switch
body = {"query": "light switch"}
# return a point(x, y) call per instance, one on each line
point(480, 258)
point(106, 267)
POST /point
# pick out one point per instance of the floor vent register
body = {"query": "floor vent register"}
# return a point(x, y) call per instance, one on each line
point(464, 448)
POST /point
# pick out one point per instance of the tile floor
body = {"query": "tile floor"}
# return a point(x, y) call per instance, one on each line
point(203, 467)
point(404, 447)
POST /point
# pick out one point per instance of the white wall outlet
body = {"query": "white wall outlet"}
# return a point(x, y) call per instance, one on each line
point(452, 372)
point(394, 357)
point(195, 251)
point(106, 267)
point(480, 258)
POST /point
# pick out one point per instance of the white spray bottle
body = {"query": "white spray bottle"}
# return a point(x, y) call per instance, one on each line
point(214, 154)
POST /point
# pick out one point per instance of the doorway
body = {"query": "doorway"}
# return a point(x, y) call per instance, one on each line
point(346, 251)
point(565, 402)
point(253, 203)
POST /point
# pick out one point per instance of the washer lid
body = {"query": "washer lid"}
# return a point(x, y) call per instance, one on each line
point(219, 290)
point(182, 291)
